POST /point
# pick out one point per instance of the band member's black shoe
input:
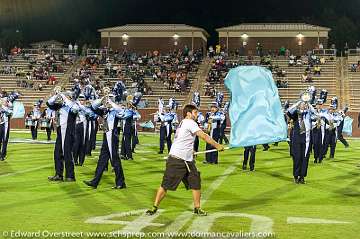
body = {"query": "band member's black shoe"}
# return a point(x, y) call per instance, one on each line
point(55, 178)
point(90, 184)
point(70, 180)
point(119, 186)
point(302, 181)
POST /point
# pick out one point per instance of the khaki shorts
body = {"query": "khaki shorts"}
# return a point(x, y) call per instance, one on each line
point(177, 171)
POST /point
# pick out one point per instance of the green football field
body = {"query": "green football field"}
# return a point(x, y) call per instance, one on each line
point(239, 203)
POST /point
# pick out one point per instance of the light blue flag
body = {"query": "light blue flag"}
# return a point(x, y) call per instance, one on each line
point(148, 125)
point(347, 129)
point(18, 110)
point(255, 110)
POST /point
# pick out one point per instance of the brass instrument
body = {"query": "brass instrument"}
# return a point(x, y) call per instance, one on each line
point(305, 97)
point(331, 125)
point(318, 122)
point(105, 98)
point(57, 91)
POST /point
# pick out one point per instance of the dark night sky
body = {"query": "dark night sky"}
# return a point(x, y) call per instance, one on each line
point(66, 19)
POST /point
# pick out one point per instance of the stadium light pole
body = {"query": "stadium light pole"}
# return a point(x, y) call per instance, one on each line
point(244, 38)
point(125, 38)
point(300, 38)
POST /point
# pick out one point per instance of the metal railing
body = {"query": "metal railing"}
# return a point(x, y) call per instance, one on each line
point(325, 52)
point(96, 52)
point(354, 52)
point(55, 51)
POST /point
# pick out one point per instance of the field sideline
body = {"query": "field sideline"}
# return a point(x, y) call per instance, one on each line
point(266, 200)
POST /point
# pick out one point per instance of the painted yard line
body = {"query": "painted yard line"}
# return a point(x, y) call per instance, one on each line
point(306, 220)
point(186, 216)
point(25, 171)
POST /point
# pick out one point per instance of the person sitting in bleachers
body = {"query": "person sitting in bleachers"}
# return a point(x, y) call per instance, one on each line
point(308, 69)
point(299, 61)
point(306, 78)
point(353, 68)
point(317, 70)
point(292, 60)
point(322, 60)
point(281, 83)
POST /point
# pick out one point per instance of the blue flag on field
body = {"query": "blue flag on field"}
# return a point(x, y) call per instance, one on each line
point(148, 125)
point(255, 110)
point(347, 129)
point(18, 110)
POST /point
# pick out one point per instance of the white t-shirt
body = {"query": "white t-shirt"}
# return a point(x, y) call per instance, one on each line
point(183, 145)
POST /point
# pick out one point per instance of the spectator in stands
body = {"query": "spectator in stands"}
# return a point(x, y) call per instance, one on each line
point(259, 49)
point(282, 51)
point(353, 67)
point(322, 60)
point(306, 78)
point(317, 70)
point(211, 51)
point(281, 83)
point(292, 60)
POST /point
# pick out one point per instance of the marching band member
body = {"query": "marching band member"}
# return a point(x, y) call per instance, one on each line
point(196, 99)
point(340, 127)
point(223, 124)
point(66, 111)
point(136, 118)
point(79, 148)
point(90, 138)
point(300, 113)
point(47, 121)
point(111, 114)
point(134, 132)
point(213, 121)
point(167, 119)
point(128, 119)
point(252, 151)
point(332, 120)
point(200, 121)
point(6, 111)
point(35, 115)
point(318, 131)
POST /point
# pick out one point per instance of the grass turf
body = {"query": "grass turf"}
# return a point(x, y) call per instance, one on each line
point(28, 202)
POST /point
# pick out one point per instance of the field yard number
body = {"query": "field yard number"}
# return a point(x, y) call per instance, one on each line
point(200, 224)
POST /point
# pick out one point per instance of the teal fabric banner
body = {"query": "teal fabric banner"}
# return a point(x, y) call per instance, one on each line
point(18, 110)
point(255, 110)
point(347, 129)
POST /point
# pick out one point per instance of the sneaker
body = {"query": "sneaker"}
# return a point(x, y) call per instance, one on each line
point(200, 212)
point(152, 211)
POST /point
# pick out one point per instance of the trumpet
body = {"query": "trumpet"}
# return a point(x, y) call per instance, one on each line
point(305, 97)
point(57, 92)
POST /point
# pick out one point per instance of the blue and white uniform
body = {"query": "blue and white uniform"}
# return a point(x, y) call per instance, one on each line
point(66, 113)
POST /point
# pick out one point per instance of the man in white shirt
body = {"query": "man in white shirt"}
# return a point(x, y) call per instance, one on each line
point(180, 165)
